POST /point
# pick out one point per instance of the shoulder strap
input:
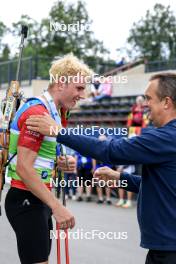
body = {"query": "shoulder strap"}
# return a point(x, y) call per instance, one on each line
point(30, 102)
point(14, 125)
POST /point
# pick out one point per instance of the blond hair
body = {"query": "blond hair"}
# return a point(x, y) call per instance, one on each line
point(69, 65)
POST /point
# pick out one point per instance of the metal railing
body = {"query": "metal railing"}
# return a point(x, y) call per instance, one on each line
point(8, 71)
point(155, 66)
point(125, 67)
point(31, 68)
point(37, 68)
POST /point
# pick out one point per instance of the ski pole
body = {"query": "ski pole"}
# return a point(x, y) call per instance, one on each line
point(61, 177)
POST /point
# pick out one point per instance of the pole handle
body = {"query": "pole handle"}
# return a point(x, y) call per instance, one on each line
point(24, 30)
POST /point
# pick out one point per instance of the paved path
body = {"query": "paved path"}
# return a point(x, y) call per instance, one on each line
point(90, 216)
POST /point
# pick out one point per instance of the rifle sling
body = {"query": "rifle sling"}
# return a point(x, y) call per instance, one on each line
point(8, 161)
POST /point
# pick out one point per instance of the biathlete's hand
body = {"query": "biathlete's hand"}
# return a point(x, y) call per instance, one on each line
point(68, 168)
point(106, 174)
point(63, 217)
point(44, 124)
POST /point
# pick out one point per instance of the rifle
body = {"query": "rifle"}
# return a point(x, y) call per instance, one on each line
point(11, 105)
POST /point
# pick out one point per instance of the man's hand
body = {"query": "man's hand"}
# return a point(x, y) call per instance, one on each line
point(63, 217)
point(43, 124)
point(68, 168)
point(106, 174)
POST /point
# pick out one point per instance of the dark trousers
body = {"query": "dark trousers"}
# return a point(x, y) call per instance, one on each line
point(161, 257)
point(70, 185)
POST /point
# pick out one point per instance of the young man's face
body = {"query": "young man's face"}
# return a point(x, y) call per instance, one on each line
point(72, 93)
point(155, 105)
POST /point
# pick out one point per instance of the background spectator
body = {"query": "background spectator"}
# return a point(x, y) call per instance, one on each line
point(84, 173)
point(104, 90)
point(137, 117)
point(94, 87)
point(98, 164)
point(125, 203)
point(121, 62)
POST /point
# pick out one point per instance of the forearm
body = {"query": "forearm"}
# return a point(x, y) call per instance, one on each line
point(122, 151)
point(85, 145)
point(133, 182)
point(37, 187)
point(104, 150)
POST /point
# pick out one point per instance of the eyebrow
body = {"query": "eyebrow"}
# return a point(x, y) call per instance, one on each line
point(80, 87)
point(147, 96)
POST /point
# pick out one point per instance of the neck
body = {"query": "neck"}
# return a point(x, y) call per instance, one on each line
point(55, 98)
point(168, 119)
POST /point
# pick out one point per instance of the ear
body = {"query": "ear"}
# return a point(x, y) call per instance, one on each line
point(168, 103)
point(60, 86)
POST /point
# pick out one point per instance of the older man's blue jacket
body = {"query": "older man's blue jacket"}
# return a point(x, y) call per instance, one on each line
point(156, 150)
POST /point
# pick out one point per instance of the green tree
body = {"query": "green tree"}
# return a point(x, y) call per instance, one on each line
point(48, 39)
point(34, 39)
point(3, 30)
point(35, 43)
point(154, 36)
point(5, 52)
point(81, 42)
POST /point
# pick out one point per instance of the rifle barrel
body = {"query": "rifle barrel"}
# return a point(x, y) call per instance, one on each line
point(24, 31)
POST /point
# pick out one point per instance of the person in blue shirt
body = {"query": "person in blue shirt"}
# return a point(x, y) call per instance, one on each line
point(99, 164)
point(85, 175)
point(69, 177)
point(156, 150)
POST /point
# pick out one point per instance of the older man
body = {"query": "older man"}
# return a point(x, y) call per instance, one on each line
point(156, 150)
